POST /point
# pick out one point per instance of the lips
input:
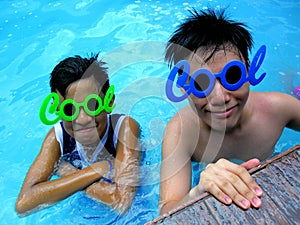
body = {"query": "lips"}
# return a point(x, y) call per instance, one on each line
point(85, 129)
point(222, 113)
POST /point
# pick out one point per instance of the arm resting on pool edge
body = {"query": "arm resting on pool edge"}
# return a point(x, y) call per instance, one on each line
point(227, 181)
point(120, 193)
point(38, 190)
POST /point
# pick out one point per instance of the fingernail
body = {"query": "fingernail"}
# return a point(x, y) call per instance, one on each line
point(228, 200)
point(245, 203)
point(258, 191)
point(256, 201)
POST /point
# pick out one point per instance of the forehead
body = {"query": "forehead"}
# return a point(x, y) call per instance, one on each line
point(80, 89)
point(213, 59)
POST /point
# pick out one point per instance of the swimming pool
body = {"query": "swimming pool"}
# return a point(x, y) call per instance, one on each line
point(35, 35)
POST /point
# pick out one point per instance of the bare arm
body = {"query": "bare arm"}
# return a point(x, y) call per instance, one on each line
point(175, 169)
point(288, 107)
point(38, 190)
point(120, 193)
point(227, 181)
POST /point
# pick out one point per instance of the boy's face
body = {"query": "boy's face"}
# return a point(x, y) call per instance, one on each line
point(221, 109)
point(85, 129)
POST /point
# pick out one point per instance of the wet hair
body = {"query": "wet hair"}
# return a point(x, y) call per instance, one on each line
point(211, 30)
point(75, 68)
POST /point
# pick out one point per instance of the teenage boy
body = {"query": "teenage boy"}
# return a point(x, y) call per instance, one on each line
point(224, 120)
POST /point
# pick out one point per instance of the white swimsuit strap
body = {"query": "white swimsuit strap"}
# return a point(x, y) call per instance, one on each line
point(98, 149)
point(117, 129)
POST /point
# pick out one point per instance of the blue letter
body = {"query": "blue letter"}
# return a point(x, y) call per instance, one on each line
point(180, 82)
point(259, 56)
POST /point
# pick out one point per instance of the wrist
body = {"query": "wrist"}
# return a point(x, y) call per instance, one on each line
point(196, 192)
point(108, 175)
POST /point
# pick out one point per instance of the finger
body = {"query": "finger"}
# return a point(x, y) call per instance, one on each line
point(226, 178)
point(241, 191)
point(223, 190)
point(219, 183)
point(251, 164)
point(242, 174)
point(213, 189)
point(226, 185)
point(237, 183)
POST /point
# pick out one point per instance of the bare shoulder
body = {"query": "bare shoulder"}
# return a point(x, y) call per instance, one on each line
point(280, 106)
point(184, 117)
point(130, 122)
point(50, 143)
point(274, 96)
point(275, 100)
point(129, 134)
point(180, 130)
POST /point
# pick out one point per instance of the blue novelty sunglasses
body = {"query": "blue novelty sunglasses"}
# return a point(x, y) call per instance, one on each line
point(232, 77)
point(202, 81)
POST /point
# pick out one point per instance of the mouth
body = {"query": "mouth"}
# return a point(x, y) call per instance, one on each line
point(85, 129)
point(222, 113)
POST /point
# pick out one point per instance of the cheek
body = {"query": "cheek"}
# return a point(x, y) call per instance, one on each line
point(101, 121)
point(243, 92)
point(69, 128)
point(101, 117)
point(197, 102)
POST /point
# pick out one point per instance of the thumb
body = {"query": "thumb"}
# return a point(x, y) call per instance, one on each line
point(251, 163)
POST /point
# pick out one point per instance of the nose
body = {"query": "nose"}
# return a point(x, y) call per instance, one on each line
point(83, 118)
point(219, 95)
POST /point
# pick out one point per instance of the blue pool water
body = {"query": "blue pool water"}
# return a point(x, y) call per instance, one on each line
point(36, 35)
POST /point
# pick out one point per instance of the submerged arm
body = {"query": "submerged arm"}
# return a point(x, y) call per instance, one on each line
point(120, 193)
point(38, 190)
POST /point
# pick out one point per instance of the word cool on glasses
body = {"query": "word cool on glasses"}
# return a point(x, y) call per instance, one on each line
point(69, 109)
point(202, 81)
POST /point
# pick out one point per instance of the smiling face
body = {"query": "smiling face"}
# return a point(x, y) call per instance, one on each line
point(221, 109)
point(85, 129)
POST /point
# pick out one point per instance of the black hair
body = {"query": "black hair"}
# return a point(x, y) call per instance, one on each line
point(75, 68)
point(207, 29)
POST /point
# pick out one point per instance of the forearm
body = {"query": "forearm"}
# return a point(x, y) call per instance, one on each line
point(117, 197)
point(55, 190)
point(120, 193)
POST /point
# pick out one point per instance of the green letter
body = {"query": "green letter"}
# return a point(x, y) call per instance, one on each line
point(52, 108)
point(107, 99)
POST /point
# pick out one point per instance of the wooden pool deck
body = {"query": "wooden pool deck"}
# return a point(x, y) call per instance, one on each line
point(278, 177)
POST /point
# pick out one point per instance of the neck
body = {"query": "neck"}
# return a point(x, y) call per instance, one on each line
point(89, 149)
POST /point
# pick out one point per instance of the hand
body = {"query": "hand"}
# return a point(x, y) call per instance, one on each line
point(230, 182)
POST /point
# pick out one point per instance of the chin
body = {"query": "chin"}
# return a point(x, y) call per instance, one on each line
point(87, 139)
point(223, 125)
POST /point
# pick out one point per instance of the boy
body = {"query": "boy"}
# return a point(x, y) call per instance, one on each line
point(90, 149)
point(224, 120)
